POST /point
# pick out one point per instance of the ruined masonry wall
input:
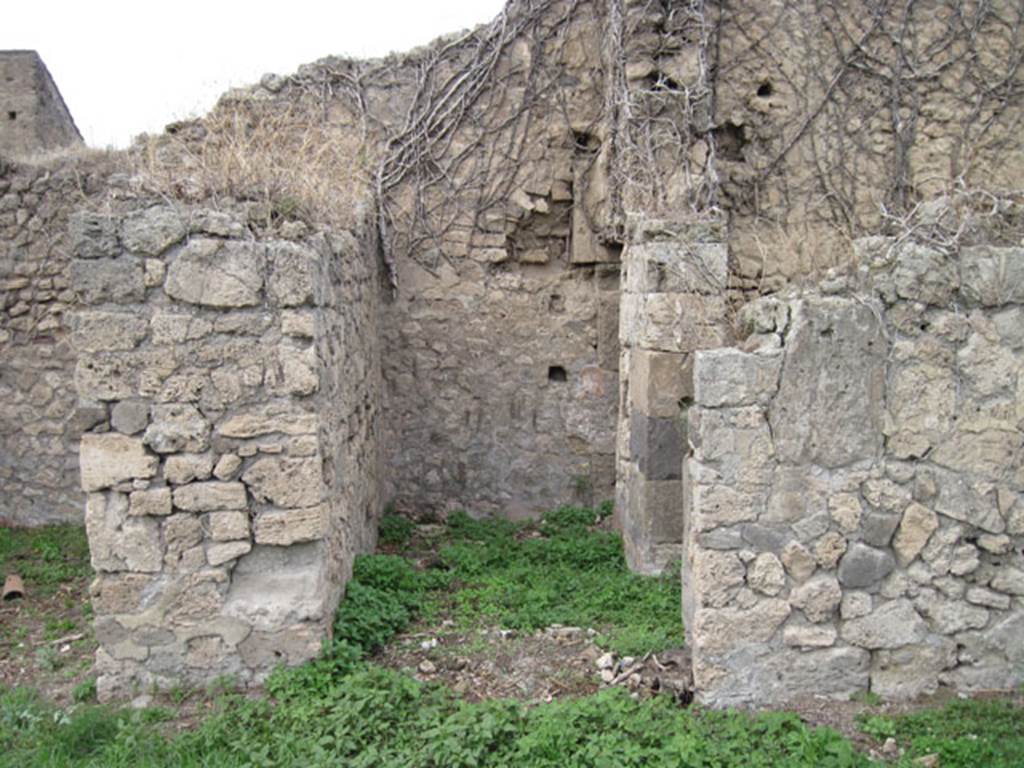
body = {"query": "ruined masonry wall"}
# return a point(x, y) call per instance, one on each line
point(39, 419)
point(672, 305)
point(233, 476)
point(855, 495)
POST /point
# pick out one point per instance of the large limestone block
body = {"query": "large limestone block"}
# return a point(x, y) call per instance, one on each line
point(108, 459)
point(656, 444)
point(657, 382)
point(992, 276)
point(292, 273)
point(152, 231)
point(913, 670)
point(716, 576)
point(274, 587)
point(211, 496)
point(718, 631)
point(891, 625)
point(93, 235)
point(216, 273)
point(829, 407)
point(118, 542)
point(924, 274)
point(106, 331)
point(283, 418)
point(674, 267)
point(177, 427)
point(730, 377)
point(290, 526)
point(286, 482)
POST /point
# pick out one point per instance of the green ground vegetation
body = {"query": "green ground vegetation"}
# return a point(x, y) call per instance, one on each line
point(344, 710)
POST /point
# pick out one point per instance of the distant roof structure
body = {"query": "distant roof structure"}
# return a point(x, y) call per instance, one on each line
point(33, 115)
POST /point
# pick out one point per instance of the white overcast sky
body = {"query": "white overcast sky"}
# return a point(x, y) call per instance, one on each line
point(126, 68)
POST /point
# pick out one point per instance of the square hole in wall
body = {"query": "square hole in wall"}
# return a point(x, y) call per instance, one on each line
point(557, 373)
point(12, 115)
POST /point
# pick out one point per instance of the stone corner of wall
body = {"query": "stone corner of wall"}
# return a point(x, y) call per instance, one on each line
point(225, 503)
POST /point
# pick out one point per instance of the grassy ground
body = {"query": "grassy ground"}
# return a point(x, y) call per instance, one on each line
point(345, 709)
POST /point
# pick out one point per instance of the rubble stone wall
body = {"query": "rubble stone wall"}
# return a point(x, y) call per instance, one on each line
point(233, 477)
point(854, 513)
point(39, 419)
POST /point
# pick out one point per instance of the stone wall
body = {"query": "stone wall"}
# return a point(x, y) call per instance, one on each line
point(39, 419)
point(233, 475)
point(854, 514)
point(33, 116)
point(672, 305)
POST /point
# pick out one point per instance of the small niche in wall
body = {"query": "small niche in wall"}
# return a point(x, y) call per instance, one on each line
point(764, 90)
point(12, 115)
point(557, 373)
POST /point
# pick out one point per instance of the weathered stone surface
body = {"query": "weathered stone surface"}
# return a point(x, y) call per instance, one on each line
point(285, 482)
point(177, 327)
point(177, 427)
point(924, 274)
point(877, 528)
point(217, 273)
point(274, 587)
point(729, 377)
point(863, 566)
point(129, 417)
point(716, 576)
point(1009, 580)
point(228, 526)
point(152, 231)
point(992, 276)
point(108, 459)
point(218, 554)
point(828, 410)
point(657, 382)
point(118, 281)
point(291, 278)
point(800, 563)
point(93, 235)
point(846, 510)
point(156, 502)
point(809, 635)
point(140, 545)
point(916, 527)
point(721, 630)
point(227, 466)
point(104, 515)
point(818, 598)
point(657, 445)
point(947, 617)
point(829, 549)
point(294, 372)
point(987, 598)
point(855, 604)
point(107, 331)
point(283, 418)
point(890, 625)
point(286, 527)
point(765, 574)
point(913, 670)
point(210, 496)
point(186, 467)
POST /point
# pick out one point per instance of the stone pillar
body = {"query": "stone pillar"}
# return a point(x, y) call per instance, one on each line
point(217, 542)
point(672, 304)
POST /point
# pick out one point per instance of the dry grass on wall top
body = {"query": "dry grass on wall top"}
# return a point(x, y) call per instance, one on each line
point(291, 156)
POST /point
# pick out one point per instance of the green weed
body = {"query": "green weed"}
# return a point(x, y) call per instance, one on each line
point(45, 557)
point(395, 530)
